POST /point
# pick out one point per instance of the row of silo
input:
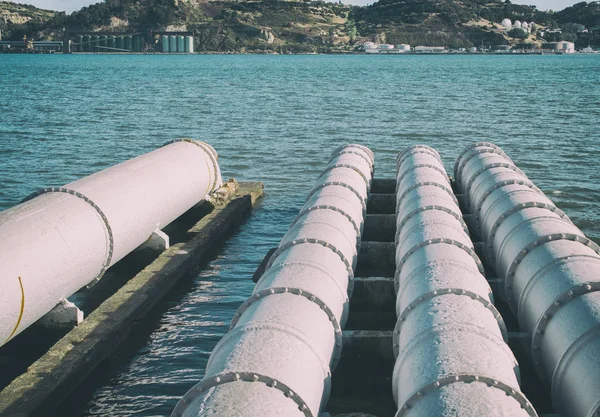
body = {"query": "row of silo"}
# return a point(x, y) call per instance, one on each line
point(103, 43)
point(177, 44)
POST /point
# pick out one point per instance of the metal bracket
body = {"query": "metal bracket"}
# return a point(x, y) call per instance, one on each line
point(64, 315)
point(158, 241)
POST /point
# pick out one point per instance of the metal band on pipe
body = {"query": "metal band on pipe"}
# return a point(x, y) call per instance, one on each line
point(227, 377)
point(319, 242)
point(352, 167)
point(424, 150)
point(491, 166)
point(515, 209)
point(420, 245)
point(472, 154)
point(425, 183)
point(111, 241)
point(534, 244)
point(328, 207)
point(357, 146)
point(476, 145)
point(444, 291)
point(413, 167)
point(457, 216)
point(337, 352)
point(211, 153)
point(362, 155)
point(319, 267)
point(495, 186)
point(416, 148)
point(467, 378)
point(341, 184)
point(540, 327)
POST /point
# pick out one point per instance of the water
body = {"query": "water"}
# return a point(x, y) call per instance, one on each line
point(275, 119)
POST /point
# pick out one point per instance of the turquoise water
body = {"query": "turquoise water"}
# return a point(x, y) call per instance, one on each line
point(275, 119)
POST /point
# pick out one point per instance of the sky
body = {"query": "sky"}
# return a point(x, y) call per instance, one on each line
point(72, 5)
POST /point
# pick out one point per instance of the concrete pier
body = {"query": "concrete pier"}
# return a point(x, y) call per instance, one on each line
point(51, 379)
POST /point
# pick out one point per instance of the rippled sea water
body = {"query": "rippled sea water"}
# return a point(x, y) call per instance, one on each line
point(275, 119)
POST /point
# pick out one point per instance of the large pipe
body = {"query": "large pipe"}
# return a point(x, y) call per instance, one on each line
point(551, 274)
point(62, 239)
point(283, 341)
point(449, 340)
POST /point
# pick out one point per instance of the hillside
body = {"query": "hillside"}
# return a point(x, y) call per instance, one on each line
point(317, 26)
point(15, 16)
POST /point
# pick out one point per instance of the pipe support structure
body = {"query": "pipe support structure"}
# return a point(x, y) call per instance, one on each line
point(62, 239)
point(284, 340)
point(551, 274)
point(449, 341)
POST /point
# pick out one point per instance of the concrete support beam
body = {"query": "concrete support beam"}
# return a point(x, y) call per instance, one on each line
point(376, 259)
point(381, 204)
point(379, 228)
point(158, 241)
point(384, 185)
point(64, 315)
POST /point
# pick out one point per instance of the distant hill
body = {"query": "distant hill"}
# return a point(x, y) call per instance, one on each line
point(14, 16)
point(315, 26)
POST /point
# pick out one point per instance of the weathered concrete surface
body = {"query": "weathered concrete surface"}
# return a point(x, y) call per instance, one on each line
point(383, 185)
point(53, 377)
point(376, 259)
point(381, 204)
point(379, 228)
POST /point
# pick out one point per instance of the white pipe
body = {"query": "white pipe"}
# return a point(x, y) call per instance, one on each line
point(285, 338)
point(449, 339)
point(550, 272)
point(65, 238)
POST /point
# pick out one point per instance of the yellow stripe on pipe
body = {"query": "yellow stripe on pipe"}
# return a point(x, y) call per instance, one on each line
point(20, 312)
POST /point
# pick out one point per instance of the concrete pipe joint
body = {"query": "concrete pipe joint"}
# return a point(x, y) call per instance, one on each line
point(283, 341)
point(551, 279)
point(62, 239)
point(448, 333)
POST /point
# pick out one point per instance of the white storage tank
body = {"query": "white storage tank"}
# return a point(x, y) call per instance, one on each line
point(165, 43)
point(507, 23)
point(180, 43)
point(172, 43)
point(189, 44)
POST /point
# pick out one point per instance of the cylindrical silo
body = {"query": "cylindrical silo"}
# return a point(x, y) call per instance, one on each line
point(180, 43)
point(110, 43)
point(95, 42)
point(86, 43)
point(62, 239)
point(103, 43)
point(172, 43)
point(119, 42)
point(127, 43)
point(189, 44)
point(165, 43)
point(137, 43)
point(80, 45)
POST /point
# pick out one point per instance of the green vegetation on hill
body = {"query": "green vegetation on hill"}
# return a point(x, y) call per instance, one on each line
point(315, 26)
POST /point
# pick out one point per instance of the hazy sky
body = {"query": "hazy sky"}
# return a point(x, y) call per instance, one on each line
point(71, 5)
